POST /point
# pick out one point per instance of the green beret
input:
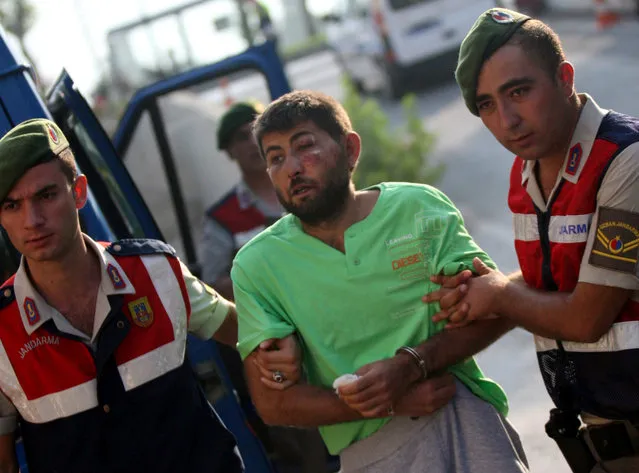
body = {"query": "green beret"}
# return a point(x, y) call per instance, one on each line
point(239, 114)
point(490, 32)
point(23, 147)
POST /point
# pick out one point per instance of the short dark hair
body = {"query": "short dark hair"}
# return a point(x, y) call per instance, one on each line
point(66, 159)
point(299, 106)
point(538, 39)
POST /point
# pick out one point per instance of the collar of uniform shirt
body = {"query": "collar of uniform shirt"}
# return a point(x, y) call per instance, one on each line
point(245, 195)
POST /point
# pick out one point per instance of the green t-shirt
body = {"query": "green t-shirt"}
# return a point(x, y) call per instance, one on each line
point(353, 308)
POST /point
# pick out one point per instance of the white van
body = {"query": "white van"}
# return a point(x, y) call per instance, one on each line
point(381, 43)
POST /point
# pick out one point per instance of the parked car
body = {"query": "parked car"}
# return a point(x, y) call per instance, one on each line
point(382, 43)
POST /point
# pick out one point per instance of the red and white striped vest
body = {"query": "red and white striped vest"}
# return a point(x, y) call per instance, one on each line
point(131, 402)
point(48, 376)
point(550, 245)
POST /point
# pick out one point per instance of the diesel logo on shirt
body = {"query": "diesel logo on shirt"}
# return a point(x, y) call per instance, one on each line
point(408, 261)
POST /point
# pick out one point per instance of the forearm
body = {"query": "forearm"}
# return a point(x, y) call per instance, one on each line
point(227, 332)
point(8, 460)
point(303, 405)
point(9, 465)
point(224, 287)
point(575, 316)
point(535, 316)
point(453, 346)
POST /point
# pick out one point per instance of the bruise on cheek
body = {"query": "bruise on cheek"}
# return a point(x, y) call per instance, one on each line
point(310, 156)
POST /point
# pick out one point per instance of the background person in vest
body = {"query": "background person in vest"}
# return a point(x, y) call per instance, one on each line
point(247, 209)
point(574, 194)
point(93, 335)
point(345, 271)
point(237, 217)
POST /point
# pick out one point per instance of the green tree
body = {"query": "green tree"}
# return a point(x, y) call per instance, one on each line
point(391, 154)
point(18, 16)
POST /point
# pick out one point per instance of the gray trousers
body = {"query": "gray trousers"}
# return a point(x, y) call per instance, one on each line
point(468, 435)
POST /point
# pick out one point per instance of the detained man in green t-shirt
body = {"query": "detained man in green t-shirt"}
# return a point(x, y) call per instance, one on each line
point(345, 271)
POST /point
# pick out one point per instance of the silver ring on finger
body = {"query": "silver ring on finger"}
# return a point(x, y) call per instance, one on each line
point(278, 377)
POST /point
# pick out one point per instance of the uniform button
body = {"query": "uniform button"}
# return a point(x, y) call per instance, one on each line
point(7, 293)
point(120, 324)
point(356, 261)
point(106, 408)
point(117, 247)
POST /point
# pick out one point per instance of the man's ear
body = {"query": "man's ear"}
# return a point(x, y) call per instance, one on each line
point(566, 78)
point(353, 149)
point(80, 191)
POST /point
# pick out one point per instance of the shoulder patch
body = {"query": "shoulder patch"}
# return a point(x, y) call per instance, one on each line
point(7, 296)
point(616, 244)
point(140, 246)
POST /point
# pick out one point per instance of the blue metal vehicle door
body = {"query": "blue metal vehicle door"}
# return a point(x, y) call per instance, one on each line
point(119, 203)
point(167, 142)
point(167, 138)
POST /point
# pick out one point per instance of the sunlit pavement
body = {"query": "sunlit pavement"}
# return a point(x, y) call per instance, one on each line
point(607, 66)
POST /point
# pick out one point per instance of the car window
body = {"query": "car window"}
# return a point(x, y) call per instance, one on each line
point(115, 192)
point(188, 119)
point(183, 38)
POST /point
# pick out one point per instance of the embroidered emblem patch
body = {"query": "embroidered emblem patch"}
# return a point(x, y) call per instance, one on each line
point(574, 158)
point(141, 312)
point(53, 135)
point(33, 316)
point(116, 279)
point(501, 17)
point(617, 244)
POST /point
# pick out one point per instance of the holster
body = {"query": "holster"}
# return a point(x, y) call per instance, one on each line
point(611, 441)
point(585, 447)
point(564, 428)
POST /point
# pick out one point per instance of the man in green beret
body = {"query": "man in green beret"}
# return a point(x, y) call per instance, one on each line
point(574, 195)
point(247, 209)
point(93, 335)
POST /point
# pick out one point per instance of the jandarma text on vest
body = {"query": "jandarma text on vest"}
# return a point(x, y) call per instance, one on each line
point(45, 340)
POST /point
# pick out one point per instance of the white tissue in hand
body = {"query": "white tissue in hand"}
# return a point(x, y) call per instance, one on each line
point(344, 380)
